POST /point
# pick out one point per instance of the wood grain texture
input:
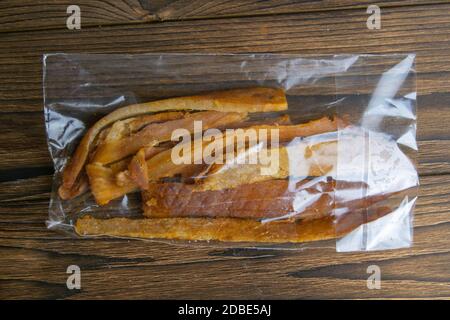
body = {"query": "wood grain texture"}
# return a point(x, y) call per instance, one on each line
point(33, 260)
point(23, 15)
point(40, 15)
point(434, 140)
point(185, 9)
point(405, 29)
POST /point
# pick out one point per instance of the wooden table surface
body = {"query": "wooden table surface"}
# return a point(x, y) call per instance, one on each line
point(33, 260)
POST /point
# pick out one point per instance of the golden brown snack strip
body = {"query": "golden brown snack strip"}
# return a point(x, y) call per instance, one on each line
point(107, 185)
point(237, 100)
point(73, 169)
point(295, 160)
point(156, 133)
point(103, 184)
point(161, 165)
point(307, 199)
point(227, 229)
point(138, 169)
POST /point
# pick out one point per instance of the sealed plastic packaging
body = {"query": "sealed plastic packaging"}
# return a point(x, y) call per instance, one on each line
point(260, 150)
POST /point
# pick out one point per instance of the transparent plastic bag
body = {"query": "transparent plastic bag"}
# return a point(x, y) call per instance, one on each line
point(381, 102)
point(257, 150)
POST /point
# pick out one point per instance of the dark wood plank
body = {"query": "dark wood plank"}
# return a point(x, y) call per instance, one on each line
point(26, 200)
point(185, 9)
point(34, 262)
point(23, 162)
point(22, 130)
point(325, 32)
point(29, 15)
